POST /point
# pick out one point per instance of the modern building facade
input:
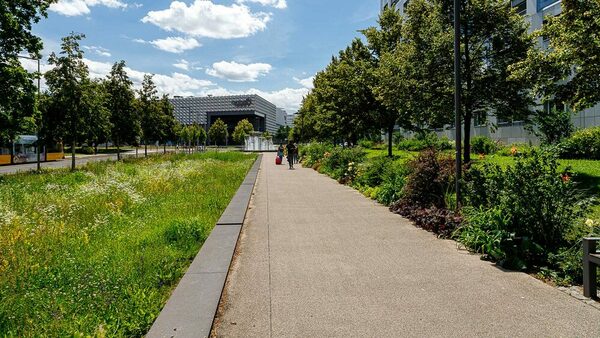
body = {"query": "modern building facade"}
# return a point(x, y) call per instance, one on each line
point(281, 117)
point(231, 109)
point(514, 131)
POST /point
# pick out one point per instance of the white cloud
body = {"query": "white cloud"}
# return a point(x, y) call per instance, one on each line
point(306, 83)
point(182, 64)
point(98, 50)
point(206, 19)
point(82, 7)
point(281, 4)
point(238, 72)
point(175, 44)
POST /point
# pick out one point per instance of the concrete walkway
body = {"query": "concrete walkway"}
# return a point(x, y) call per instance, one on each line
point(317, 259)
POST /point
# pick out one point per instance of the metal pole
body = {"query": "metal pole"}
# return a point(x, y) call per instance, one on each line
point(457, 94)
point(39, 147)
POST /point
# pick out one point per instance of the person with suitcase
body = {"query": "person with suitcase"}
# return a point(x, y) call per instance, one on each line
point(279, 157)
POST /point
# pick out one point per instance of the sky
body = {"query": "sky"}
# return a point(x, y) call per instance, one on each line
point(272, 48)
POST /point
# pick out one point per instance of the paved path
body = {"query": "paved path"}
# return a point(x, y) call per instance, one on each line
point(317, 259)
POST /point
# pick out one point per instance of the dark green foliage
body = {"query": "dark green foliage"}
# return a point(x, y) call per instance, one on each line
point(424, 140)
point(393, 182)
point(483, 145)
point(313, 153)
point(430, 178)
point(539, 205)
point(341, 163)
point(583, 144)
point(552, 127)
point(217, 133)
point(125, 118)
point(371, 172)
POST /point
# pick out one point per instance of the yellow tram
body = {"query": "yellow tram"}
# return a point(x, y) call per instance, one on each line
point(25, 151)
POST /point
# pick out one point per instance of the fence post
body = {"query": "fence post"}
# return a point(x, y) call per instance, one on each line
point(589, 268)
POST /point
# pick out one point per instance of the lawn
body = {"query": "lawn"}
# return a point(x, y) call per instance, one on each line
point(97, 252)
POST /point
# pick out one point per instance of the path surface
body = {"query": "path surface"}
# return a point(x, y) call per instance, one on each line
point(317, 259)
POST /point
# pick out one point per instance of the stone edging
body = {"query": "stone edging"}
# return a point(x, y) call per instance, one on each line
point(191, 309)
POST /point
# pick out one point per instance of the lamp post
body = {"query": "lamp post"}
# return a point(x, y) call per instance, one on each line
point(457, 94)
point(39, 75)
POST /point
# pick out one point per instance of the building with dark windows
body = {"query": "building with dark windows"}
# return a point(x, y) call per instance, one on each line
point(231, 109)
point(534, 11)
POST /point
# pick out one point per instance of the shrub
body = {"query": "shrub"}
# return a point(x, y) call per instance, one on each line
point(86, 150)
point(483, 145)
point(431, 176)
point(540, 204)
point(552, 127)
point(367, 144)
point(372, 171)
point(341, 163)
point(437, 220)
point(515, 149)
point(393, 182)
point(584, 144)
point(422, 141)
point(484, 231)
point(313, 153)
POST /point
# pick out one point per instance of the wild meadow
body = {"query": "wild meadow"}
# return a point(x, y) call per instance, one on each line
point(96, 252)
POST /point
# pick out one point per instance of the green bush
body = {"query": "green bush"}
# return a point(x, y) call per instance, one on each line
point(313, 153)
point(540, 204)
point(484, 231)
point(86, 150)
point(341, 163)
point(583, 144)
point(393, 182)
point(371, 172)
point(483, 145)
point(515, 149)
point(422, 141)
point(367, 144)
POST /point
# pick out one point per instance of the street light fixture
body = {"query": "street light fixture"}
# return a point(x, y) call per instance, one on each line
point(39, 76)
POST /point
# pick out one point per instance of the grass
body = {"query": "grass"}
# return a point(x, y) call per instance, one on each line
point(97, 252)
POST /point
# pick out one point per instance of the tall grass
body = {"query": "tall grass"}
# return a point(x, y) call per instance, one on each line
point(96, 252)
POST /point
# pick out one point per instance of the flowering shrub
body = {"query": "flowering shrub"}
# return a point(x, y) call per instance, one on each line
point(337, 164)
point(313, 153)
point(483, 145)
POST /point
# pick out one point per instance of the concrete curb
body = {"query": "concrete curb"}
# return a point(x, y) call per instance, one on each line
point(191, 309)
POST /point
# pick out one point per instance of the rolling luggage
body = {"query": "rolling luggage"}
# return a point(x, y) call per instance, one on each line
point(278, 160)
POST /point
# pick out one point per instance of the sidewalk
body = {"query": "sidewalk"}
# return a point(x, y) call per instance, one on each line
point(317, 259)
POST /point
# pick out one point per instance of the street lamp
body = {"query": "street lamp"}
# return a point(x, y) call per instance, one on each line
point(457, 89)
point(39, 76)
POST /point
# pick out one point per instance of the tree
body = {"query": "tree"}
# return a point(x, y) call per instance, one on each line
point(494, 37)
point(342, 102)
point(218, 132)
point(124, 117)
point(69, 88)
point(17, 92)
point(381, 42)
point(167, 130)
point(98, 120)
point(149, 112)
point(242, 129)
point(198, 134)
point(281, 134)
point(568, 70)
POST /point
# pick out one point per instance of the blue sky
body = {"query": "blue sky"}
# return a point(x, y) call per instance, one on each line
point(200, 47)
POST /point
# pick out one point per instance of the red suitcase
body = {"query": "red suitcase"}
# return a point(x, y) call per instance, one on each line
point(277, 160)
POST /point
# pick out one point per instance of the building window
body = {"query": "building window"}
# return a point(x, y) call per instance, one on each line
point(541, 4)
point(520, 6)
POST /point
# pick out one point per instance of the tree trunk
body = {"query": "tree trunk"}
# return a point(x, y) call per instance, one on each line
point(467, 137)
point(96, 148)
point(11, 150)
point(145, 148)
point(390, 141)
point(118, 150)
point(73, 154)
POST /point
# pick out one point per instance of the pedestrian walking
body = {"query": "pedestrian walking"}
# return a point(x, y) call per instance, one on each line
point(296, 153)
point(279, 158)
point(291, 149)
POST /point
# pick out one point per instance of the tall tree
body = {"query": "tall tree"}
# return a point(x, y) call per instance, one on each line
point(568, 71)
point(124, 117)
point(168, 123)
point(68, 86)
point(218, 132)
point(17, 92)
point(382, 41)
point(343, 98)
point(149, 112)
point(98, 120)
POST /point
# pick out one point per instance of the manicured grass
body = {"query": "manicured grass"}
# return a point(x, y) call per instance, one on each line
point(97, 252)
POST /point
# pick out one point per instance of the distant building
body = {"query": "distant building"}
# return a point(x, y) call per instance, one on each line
point(231, 109)
point(289, 120)
point(281, 117)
